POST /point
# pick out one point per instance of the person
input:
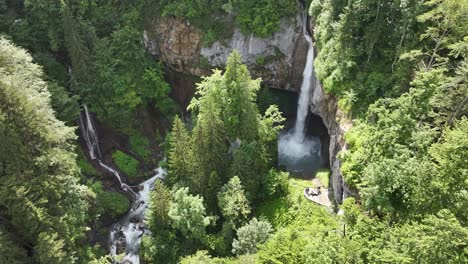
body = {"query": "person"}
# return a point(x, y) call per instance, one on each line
point(319, 190)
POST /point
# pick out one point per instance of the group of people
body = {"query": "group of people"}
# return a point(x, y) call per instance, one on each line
point(313, 191)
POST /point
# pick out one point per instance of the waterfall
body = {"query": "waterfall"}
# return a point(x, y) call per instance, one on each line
point(296, 151)
point(307, 80)
point(131, 227)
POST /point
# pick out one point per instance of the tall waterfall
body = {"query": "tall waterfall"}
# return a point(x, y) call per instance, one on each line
point(131, 227)
point(307, 81)
point(296, 151)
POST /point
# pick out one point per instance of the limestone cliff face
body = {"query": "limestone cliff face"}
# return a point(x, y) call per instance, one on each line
point(326, 106)
point(278, 60)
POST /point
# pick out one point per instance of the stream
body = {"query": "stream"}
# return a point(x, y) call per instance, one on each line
point(128, 230)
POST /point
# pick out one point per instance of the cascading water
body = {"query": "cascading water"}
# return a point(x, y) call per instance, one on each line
point(130, 228)
point(296, 151)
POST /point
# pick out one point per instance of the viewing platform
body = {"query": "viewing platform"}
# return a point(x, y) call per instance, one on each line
point(318, 195)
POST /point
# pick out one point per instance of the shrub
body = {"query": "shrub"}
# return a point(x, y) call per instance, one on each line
point(250, 236)
point(276, 184)
point(111, 203)
point(125, 163)
point(86, 168)
point(139, 143)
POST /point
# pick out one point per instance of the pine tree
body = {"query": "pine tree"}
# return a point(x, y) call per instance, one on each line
point(39, 192)
point(180, 152)
point(240, 113)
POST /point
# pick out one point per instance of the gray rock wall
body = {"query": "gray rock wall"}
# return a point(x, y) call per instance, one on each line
point(179, 45)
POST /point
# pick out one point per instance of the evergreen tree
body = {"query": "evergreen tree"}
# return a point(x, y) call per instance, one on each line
point(39, 192)
point(240, 113)
point(179, 156)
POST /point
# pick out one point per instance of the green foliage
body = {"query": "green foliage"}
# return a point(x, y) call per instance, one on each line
point(139, 143)
point(10, 252)
point(187, 213)
point(275, 210)
point(126, 78)
point(160, 199)
point(250, 164)
point(250, 236)
point(324, 177)
point(86, 168)
point(262, 18)
point(126, 163)
point(368, 37)
point(276, 184)
point(179, 153)
point(232, 201)
point(40, 194)
point(112, 203)
point(449, 156)
point(65, 105)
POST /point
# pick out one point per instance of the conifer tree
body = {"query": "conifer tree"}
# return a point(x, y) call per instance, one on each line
point(179, 154)
point(240, 113)
point(39, 193)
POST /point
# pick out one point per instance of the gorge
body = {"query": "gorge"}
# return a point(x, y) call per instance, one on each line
point(234, 132)
point(178, 44)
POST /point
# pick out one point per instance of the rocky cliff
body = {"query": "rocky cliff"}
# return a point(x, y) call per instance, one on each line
point(326, 106)
point(278, 60)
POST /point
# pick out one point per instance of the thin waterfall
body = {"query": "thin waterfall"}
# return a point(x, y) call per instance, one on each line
point(131, 227)
point(296, 151)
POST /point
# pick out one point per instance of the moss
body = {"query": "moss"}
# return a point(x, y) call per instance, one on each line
point(204, 63)
point(323, 175)
point(110, 203)
point(126, 163)
point(115, 204)
point(296, 188)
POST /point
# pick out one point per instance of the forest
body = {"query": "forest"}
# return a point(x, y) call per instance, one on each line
point(149, 131)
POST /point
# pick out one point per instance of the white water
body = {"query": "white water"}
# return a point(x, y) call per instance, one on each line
point(132, 227)
point(296, 151)
point(129, 229)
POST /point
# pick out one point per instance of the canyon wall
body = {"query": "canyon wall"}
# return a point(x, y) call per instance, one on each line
point(278, 60)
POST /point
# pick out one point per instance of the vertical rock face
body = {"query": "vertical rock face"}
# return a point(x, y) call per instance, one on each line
point(278, 60)
point(326, 106)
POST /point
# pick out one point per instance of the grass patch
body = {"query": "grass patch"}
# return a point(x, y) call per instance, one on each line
point(126, 163)
point(138, 142)
point(323, 175)
point(296, 188)
point(282, 211)
point(275, 211)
